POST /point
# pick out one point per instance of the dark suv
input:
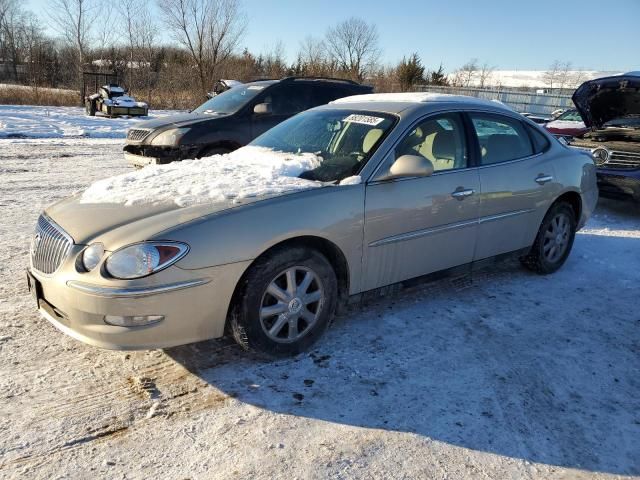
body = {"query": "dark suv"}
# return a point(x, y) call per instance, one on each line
point(231, 119)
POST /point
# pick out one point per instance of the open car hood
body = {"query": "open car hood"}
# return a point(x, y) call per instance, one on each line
point(604, 99)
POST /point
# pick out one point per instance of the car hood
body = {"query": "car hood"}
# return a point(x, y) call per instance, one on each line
point(604, 99)
point(115, 224)
point(180, 120)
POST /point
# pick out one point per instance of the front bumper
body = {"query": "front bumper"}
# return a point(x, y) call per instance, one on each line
point(194, 304)
point(619, 183)
point(143, 155)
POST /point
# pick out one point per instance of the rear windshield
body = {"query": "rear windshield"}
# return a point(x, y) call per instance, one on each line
point(230, 101)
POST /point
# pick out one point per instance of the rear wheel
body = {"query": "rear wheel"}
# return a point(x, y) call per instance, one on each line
point(287, 301)
point(554, 240)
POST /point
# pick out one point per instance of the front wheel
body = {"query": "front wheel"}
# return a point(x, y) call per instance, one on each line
point(554, 240)
point(286, 303)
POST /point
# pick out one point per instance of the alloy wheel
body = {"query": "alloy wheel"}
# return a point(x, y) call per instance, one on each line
point(556, 237)
point(291, 304)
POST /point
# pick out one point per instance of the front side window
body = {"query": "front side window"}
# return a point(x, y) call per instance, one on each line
point(438, 139)
point(501, 138)
point(344, 140)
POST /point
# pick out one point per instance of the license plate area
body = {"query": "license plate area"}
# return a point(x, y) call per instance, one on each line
point(35, 288)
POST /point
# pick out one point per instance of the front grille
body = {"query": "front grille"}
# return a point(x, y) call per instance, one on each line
point(623, 160)
point(137, 134)
point(50, 246)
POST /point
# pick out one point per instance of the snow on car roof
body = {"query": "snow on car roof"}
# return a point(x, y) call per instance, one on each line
point(417, 97)
point(113, 88)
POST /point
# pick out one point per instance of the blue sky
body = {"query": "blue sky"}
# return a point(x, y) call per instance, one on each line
point(523, 35)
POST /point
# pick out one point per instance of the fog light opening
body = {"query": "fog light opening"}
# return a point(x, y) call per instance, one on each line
point(132, 321)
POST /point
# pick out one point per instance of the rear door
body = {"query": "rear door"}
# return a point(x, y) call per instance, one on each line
point(516, 182)
point(286, 100)
point(415, 226)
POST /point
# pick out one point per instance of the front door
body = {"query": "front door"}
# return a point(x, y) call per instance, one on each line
point(416, 226)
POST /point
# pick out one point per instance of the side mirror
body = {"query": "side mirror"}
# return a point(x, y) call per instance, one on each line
point(262, 109)
point(409, 166)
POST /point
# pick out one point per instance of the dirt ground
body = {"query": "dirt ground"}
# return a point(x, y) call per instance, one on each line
point(503, 374)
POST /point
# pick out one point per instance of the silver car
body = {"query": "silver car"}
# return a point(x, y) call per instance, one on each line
point(362, 193)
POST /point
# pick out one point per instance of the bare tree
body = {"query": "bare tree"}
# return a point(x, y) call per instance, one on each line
point(484, 74)
point(210, 30)
point(353, 44)
point(73, 20)
point(552, 74)
point(468, 72)
point(140, 31)
point(564, 75)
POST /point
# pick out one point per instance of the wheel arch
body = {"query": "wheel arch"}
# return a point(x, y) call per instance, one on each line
point(574, 199)
point(326, 247)
point(226, 144)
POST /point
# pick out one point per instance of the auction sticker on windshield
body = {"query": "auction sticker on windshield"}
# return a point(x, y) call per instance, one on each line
point(364, 119)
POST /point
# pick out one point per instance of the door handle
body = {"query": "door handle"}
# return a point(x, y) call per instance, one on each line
point(542, 179)
point(461, 193)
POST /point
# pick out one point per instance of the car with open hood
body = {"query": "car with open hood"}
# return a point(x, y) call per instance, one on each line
point(265, 242)
point(231, 119)
point(610, 108)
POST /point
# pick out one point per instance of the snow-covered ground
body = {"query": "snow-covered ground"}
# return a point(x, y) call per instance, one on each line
point(20, 121)
point(505, 374)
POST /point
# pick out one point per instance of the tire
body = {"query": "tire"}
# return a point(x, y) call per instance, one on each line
point(285, 323)
point(554, 240)
point(213, 151)
point(90, 108)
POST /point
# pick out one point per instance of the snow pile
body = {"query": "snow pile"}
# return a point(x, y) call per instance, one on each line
point(245, 173)
point(23, 121)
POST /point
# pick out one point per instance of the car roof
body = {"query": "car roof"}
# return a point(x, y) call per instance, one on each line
point(313, 80)
point(410, 101)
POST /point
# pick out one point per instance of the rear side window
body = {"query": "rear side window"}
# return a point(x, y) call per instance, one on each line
point(501, 138)
point(287, 99)
point(539, 139)
point(323, 94)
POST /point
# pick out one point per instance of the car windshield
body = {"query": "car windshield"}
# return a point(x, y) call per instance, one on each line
point(230, 101)
point(343, 139)
point(570, 116)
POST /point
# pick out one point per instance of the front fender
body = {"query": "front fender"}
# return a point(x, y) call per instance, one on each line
point(334, 213)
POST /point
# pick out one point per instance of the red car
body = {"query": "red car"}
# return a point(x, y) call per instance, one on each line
point(569, 124)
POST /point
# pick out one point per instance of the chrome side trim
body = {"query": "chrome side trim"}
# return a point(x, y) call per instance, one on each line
point(500, 216)
point(422, 233)
point(119, 292)
point(445, 228)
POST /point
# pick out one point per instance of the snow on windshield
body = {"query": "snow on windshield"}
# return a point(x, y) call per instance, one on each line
point(245, 173)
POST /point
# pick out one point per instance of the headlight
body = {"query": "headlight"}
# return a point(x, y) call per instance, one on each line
point(143, 259)
point(169, 138)
point(92, 255)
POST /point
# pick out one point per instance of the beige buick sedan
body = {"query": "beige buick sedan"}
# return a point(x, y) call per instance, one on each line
point(264, 243)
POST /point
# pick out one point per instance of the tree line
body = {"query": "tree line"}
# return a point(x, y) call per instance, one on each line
point(123, 36)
